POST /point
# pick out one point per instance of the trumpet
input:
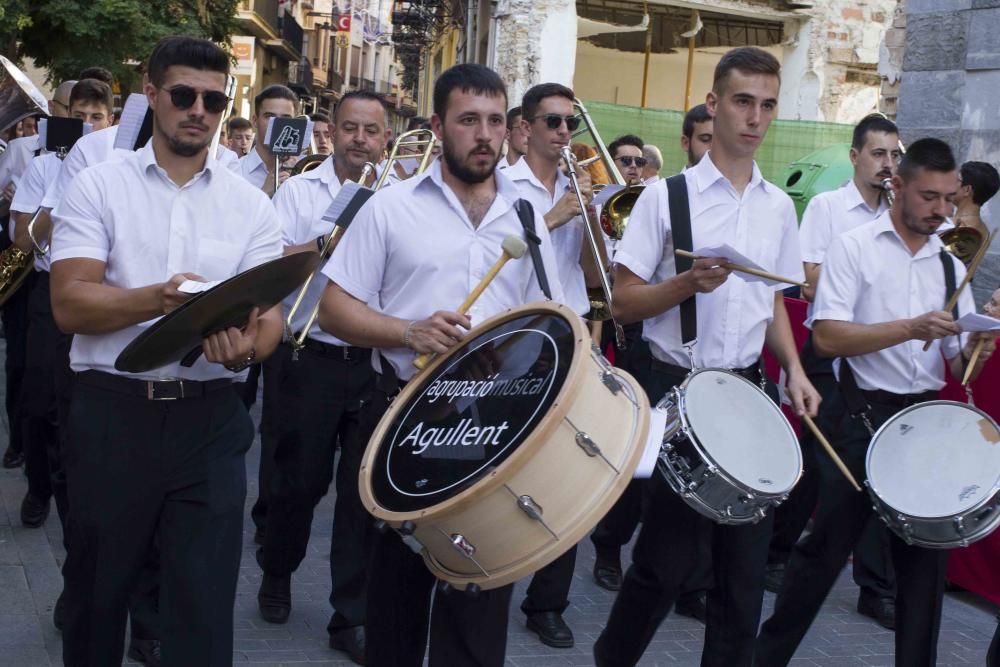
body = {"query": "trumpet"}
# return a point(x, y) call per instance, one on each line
point(298, 340)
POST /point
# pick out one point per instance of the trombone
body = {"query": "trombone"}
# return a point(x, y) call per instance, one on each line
point(298, 340)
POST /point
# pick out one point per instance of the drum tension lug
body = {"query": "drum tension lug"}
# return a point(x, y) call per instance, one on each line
point(587, 444)
point(406, 528)
point(611, 381)
point(443, 587)
point(381, 526)
point(462, 545)
point(530, 507)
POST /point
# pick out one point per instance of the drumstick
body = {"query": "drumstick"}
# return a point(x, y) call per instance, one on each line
point(513, 248)
point(745, 269)
point(829, 450)
point(968, 276)
point(972, 361)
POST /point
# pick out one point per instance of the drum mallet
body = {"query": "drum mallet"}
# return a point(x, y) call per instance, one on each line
point(829, 450)
point(513, 247)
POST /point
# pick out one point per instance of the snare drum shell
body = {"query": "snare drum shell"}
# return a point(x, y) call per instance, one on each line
point(571, 488)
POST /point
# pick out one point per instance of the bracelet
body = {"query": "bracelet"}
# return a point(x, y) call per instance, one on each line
point(320, 242)
point(245, 364)
point(406, 334)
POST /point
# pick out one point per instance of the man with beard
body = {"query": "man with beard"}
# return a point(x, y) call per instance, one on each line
point(413, 251)
point(879, 301)
point(874, 154)
point(158, 455)
point(321, 389)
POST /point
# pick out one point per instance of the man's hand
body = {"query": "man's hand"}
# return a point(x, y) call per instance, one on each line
point(438, 333)
point(805, 399)
point(170, 297)
point(989, 346)
point(934, 325)
point(707, 274)
point(567, 208)
point(232, 346)
point(8, 192)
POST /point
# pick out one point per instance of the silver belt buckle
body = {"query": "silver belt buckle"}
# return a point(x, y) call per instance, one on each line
point(151, 391)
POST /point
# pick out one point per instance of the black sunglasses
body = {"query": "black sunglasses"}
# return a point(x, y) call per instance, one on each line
point(183, 97)
point(554, 120)
point(627, 161)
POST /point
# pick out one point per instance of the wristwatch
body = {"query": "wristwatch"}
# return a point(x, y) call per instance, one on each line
point(245, 364)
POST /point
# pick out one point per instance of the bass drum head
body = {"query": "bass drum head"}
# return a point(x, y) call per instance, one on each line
point(742, 431)
point(472, 412)
point(936, 459)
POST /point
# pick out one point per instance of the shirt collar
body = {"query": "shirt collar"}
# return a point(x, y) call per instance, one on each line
point(505, 186)
point(852, 197)
point(324, 172)
point(147, 160)
point(521, 171)
point(883, 225)
point(706, 174)
point(253, 160)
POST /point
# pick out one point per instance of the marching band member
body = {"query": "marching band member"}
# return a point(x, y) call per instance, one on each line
point(654, 163)
point(548, 123)
point(517, 139)
point(626, 151)
point(730, 202)
point(257, 166)
point(322, 134)
point(979, 181)
point(879, 300)
point(398, 253)
point(874, 154)
point(140, 465)
point(321, 389)
point(240, 136)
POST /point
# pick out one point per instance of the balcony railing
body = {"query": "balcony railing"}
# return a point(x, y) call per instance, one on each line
point(291, 32)
point(267, 10)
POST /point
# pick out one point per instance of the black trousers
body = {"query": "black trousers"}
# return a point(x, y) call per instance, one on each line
point(872, 563)
point(549, 587)
point(15, 325)
point(139, 471)
point(817, 560)
point(667, 555)
point(464, 630)
point(321, 395)
point(270, 370)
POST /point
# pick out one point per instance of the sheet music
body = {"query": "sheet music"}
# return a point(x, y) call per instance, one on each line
point(195, 286)
point(972, 322)
point(133, 113)
point(736, 257)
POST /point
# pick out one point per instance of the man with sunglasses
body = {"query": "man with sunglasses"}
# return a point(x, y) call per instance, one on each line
point(548, 122)
point(258, 166)
point(626, 151)
point(158, 455)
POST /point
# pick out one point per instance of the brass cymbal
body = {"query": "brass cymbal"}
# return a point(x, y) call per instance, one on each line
point(178, 335)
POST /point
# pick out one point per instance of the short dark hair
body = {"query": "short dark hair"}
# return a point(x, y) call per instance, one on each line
point(746, 60)
point(418, 123)
point(275, 92)
point(535, 95)
point(92, 90)
point(625, 140)
point(696, 114)
point(237, 123)
point(930, 154)
point(983, 178)
point(875, 122)
point(467, 77)
point(193, 52)
point(319, 117)
point(98, 73)
point(511, 115)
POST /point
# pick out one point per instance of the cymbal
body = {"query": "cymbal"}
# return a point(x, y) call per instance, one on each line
point(177, 336)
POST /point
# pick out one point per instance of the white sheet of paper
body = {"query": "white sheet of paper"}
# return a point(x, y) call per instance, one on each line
point(976, 322)
point(133, 113)
point(194, 286)
point(736, 257)
point(605, 194)
point(657, 424)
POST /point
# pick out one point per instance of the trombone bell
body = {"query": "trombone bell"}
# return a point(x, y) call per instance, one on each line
point(962, 242)
point(19, 98)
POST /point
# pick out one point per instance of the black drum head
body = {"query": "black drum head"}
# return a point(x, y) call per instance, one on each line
point(471, 413)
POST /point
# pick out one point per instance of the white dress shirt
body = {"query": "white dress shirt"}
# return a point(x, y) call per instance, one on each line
point(131, 216)
point(41, 173)
point(15, 159)
point(301, 202)
point(228, 159)
point(412, 250)
point(89, 150)
point(567, 239)
point(253, 169)
point(870, 277)
point(732, 320)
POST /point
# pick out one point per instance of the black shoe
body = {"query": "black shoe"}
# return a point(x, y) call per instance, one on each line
point(351, 641)
point(13, 459)
point(883, 610)
point(275, 598)
point(608, 574)
point(59, 612)
point(693, 605)
point(774, 575)
point(34, 512)
point(551, 629)
point(146, 651)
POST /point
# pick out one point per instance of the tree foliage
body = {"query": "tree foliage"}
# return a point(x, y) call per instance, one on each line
point(66, 36)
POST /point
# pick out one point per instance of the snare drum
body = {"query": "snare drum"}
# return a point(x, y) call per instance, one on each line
point(727, 449)
point(506, 451)
point(934, 474)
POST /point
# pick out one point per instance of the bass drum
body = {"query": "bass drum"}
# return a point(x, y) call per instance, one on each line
point(507, 450)
point(934, 474)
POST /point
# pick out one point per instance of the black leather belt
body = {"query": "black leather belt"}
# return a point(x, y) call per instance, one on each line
point(153, 390)
point(752, 372)
point(344, 352)
point(882, 397)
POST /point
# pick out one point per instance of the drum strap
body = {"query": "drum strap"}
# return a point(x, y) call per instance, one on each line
point(949, 279)
point(680, 225)
point(527, 215)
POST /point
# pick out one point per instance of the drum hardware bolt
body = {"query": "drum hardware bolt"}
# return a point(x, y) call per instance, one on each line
point(413, 543)
point(462, 545)
point(761, 513)
point(587, 444)
point(748, 498)
point(960, 525)
point(473, 590)
point(530, 507)
point(710, 472)
point(443, 587)
point(406, 528)
point(381, 526)
point(611, 382)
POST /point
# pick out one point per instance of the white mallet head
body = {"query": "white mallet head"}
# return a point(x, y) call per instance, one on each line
point(514, 246)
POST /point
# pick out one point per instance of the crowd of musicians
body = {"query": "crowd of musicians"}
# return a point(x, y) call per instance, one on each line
point(147, 470)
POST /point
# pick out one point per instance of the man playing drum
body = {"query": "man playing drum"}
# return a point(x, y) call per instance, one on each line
point(880, 299)
point(730, 202)
point(416, 248)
